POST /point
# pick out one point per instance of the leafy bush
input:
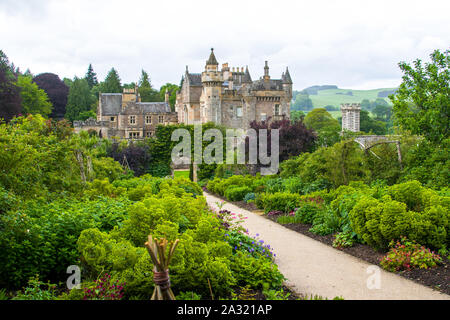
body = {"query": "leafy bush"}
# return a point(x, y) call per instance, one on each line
point(406, 255)
point(249, 197)
point(344, 240)
point(37, 290)
point(274, 185)
point(378, 221)
point(41, 238)
point(256, 272)
point(279, 201)
point(307, 212)
point(104, 289)
point(288, 219)
point(237, 193)
point(252, 246)
point(293, 185)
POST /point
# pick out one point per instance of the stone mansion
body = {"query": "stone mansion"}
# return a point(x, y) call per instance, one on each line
point(227, 97)
point(124, 116)
point(230, 97)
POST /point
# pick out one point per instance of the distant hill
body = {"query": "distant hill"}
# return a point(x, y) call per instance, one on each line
point(330, 95)
point(325, 95)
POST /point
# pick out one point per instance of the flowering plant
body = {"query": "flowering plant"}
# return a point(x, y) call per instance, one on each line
point(405, 255)
point(254, 246)
point(275, 213)
point(232, 221)
point(104, 290)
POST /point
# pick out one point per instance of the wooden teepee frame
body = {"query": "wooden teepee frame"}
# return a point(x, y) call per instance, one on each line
point(157, 250)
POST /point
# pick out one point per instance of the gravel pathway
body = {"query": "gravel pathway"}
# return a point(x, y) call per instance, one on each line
point(312, 267)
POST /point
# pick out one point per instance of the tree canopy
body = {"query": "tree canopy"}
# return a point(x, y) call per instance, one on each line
point(421, 104)
point(34, 99)
point(10, 101)
point(172, 88)
point(79, 100)
point(91, 77)
point(112, 83)
point(57, 92)
point(148, 94)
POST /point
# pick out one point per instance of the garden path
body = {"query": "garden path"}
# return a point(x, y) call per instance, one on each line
point(312, 267)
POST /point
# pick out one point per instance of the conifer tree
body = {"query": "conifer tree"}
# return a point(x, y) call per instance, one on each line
point(91, 77)
point(112, 83)
point(148, 94)
point(79, 100)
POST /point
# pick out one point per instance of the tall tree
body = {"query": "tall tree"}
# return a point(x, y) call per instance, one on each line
point(57, 92)
point(327, 128)
point(10, 101)
point(34, 99)
point(111, 83)
point(91, 77)
point(422, 102)
point(172, 89)
point(302, 102)
point(148, 94)
point(80, 99)
point(294, 138)
point(369, 125)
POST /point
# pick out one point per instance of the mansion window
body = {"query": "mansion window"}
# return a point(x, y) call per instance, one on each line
point(149, 134)
point(277, 110)
point(239, 112)
point(113, 119)
point(134, 135)
point(263, 117)
point(148, 119)
point(161, 119)
point(132, 119)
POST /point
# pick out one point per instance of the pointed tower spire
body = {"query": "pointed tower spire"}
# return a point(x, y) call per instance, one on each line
point(287, 77)
point(247, 78)
point(212, 61)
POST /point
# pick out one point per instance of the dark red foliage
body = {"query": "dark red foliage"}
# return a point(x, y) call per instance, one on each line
point(57, 92)
point(137, 156)
point(294, 138)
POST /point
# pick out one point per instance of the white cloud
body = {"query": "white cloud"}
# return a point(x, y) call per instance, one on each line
point(348, 43)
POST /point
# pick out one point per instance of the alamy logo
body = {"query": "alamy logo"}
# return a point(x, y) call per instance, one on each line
point(235, 147)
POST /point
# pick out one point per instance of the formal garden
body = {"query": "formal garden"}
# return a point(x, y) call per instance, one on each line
point(114, 210)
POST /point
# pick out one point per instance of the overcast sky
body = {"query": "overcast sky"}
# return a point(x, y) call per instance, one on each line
point(353, 44)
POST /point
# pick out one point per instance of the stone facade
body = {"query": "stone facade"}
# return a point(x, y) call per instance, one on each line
point(230, 98)
point(350, 117)
point(124, 116)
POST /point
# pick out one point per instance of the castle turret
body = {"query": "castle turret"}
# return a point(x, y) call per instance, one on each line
point(287, 82)
point(351, 116)
point(210, 100)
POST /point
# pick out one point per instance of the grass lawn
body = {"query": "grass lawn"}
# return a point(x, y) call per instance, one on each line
point(184, 174)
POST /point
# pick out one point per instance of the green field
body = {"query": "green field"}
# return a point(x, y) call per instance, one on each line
point(336, 97)
point(184, 174)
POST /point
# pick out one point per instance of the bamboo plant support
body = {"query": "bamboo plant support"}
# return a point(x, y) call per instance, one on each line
point(157, 249)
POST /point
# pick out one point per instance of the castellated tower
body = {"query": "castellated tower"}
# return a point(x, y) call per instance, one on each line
point(210, 99)
point(350, 116)
point(231, 98)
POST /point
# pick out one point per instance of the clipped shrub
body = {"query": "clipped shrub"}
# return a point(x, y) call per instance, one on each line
point(307, 212)
point(237, 193)
point(280, 201)
point(378, 221)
